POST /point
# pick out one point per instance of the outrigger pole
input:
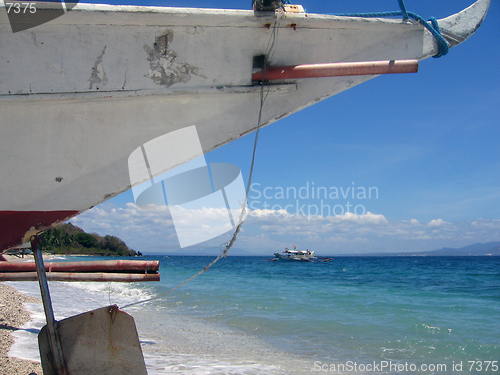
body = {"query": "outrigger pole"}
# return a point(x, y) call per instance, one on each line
point(54, 342)
point(105, 270)
point(274, 73)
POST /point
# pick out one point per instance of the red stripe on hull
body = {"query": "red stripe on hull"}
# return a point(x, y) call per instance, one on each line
point(15, 224)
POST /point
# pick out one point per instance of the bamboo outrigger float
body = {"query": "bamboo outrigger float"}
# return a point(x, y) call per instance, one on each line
point(88, 276)
point(107, 270)
point(135, 266)
point(127, 266)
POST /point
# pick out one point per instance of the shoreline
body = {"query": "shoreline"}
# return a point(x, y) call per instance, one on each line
point(171, 343)
point(26, 258)
point(13, 315)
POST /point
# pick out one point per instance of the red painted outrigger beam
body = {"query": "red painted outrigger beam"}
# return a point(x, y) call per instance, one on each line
point(131, 266)
point(107, 270)
point(274, 73)
point(83, 276)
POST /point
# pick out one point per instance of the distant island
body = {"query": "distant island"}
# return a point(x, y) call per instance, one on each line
point(477, 249)
point(68, 239)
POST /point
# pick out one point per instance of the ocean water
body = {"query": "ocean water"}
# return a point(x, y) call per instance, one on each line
point(246, 315)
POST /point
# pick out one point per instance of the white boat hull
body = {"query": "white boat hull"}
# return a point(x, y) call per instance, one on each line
point(285, 256)
point(79, 94)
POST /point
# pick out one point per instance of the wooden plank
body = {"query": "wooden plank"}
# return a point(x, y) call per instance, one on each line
point(102, 341)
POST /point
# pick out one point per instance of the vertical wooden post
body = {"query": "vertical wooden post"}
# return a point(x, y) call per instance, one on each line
point(55, 344)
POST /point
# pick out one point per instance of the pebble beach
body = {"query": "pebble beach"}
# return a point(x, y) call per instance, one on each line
point(13, 315)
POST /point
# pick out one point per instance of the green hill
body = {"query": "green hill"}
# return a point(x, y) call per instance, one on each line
point(70, 239)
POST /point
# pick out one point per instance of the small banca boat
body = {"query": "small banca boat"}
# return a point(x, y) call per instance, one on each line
point(295, 254)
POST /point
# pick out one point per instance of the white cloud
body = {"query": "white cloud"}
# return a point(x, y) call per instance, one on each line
point(437, 223)
point(268, 231)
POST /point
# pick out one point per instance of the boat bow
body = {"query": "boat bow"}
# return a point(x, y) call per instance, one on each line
point(109, 79)
point(459, 27)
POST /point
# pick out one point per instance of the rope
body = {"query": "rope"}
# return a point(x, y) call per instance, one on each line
point(431, 25)
point(403, 9)
point(269, 52)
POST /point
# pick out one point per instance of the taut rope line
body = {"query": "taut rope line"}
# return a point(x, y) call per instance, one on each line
point(271, 46)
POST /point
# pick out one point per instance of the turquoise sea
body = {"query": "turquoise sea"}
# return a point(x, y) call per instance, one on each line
point(361, 315)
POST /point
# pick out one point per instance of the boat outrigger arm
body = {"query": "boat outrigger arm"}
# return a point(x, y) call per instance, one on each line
point(80, 93)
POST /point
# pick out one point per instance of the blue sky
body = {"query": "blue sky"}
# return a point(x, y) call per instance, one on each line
point(426, 144)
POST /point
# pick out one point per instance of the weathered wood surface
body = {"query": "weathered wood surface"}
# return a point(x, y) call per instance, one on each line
point(102, 341)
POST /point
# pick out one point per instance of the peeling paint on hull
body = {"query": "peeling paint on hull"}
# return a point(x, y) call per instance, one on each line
point(163, 69)
point(98, 74)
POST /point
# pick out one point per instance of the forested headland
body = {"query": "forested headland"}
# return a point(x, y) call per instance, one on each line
point(70, 239)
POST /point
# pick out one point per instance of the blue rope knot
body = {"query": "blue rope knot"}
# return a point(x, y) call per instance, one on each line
point(431, 25)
